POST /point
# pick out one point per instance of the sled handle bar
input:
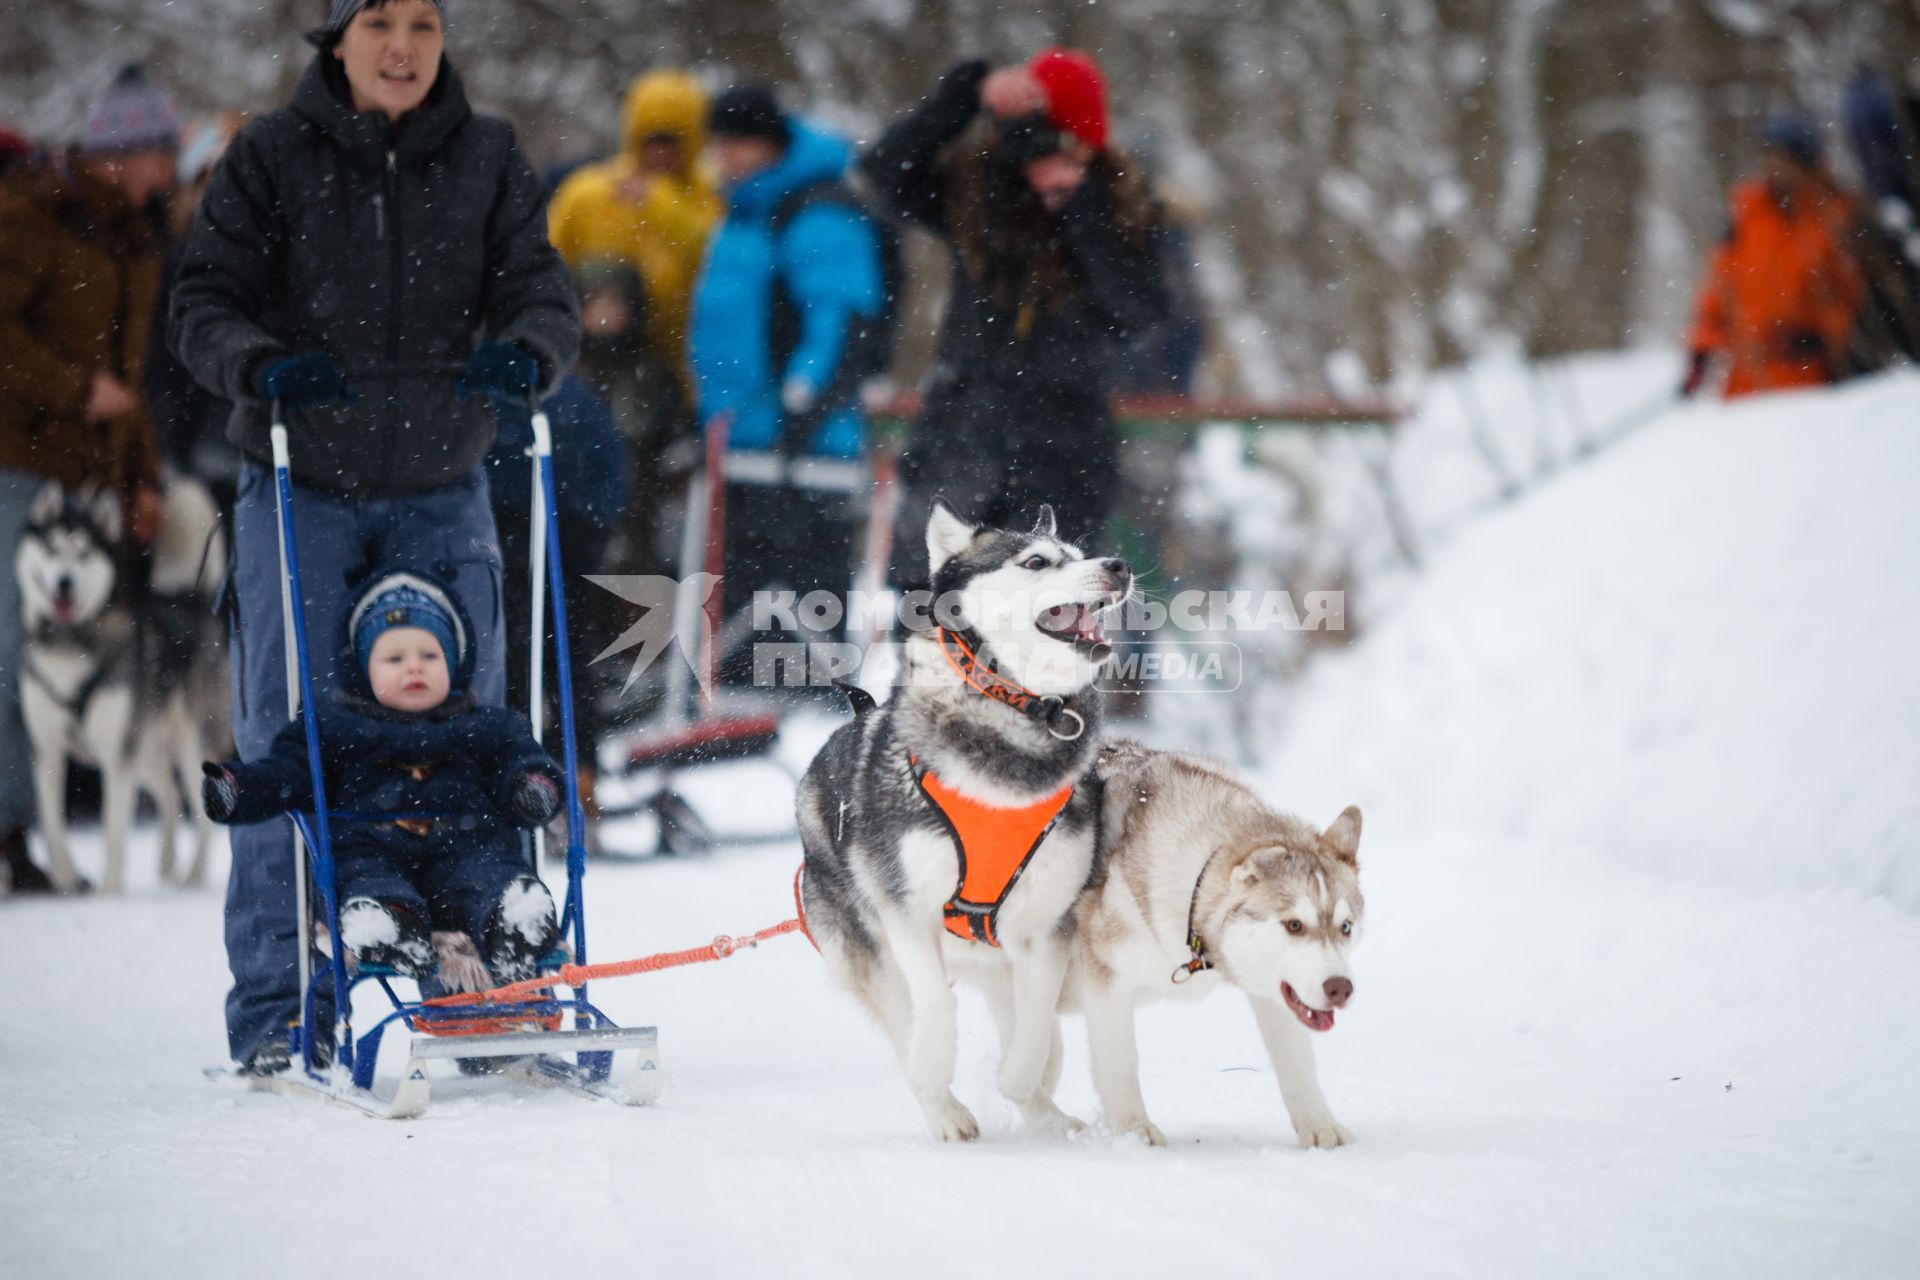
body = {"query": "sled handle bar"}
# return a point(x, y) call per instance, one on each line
point(548, 579)
point(293, 619)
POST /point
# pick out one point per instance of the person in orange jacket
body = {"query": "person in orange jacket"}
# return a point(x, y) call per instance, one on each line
point(1781, 289)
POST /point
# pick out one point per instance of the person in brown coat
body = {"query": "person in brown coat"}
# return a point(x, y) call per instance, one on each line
point(79, 273)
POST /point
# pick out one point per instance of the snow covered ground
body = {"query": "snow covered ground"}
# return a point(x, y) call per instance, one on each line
point(1640, 992)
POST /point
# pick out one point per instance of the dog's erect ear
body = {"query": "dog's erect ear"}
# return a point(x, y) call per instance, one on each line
point(1046, 526)
point(1245, 875)
point(47, 504)
point(104, 507)
point(1342, 839)
point(947, 535)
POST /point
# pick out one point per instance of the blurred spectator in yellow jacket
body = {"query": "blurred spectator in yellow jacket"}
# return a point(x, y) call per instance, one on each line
point(650, 205)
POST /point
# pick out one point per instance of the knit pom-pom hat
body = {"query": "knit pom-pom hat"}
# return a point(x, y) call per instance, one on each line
point(1076, 93)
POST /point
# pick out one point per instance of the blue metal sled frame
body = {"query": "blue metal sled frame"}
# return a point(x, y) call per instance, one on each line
point(592, 1036)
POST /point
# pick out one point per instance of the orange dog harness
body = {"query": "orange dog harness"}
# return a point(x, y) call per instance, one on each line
point(994, 845)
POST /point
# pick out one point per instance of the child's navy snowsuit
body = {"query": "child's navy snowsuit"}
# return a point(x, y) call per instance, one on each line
point(453, 766)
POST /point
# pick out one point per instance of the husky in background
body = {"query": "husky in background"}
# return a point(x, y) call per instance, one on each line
point(131, 680)
point(994, 712)
point(1204, 883)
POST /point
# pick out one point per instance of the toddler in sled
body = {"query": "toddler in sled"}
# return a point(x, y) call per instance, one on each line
point(434, 791)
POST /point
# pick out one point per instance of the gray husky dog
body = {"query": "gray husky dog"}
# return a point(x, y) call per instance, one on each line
point(1204, 883)
point(133, 682)
point(948, 833)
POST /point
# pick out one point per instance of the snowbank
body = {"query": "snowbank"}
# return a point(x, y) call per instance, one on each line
point(1694, 656)
point(1501, 425)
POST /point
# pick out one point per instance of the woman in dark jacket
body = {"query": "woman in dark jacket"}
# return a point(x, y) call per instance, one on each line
point(1053, 271)
point(373, 258)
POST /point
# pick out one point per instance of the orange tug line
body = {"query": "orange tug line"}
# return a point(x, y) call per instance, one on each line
point(572, 975)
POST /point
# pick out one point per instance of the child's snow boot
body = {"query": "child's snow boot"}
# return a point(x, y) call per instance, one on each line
point(522, 930)
point(380, 935)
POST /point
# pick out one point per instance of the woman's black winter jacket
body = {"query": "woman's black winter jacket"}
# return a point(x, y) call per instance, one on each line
point(393, 248)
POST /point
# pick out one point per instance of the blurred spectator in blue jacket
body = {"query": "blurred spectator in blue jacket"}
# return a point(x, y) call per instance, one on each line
point(793, 274)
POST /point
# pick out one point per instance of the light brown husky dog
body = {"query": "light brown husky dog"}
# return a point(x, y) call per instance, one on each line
point(1204, 883)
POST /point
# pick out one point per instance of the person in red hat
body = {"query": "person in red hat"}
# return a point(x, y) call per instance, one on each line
point(1053, 271)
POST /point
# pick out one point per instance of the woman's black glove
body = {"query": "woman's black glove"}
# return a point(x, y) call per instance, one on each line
point(534, 798)
point(302, 382)
point(219, 792)
point(499, 368)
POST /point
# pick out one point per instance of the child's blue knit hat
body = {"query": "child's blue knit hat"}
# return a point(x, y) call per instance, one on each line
point(407, 600)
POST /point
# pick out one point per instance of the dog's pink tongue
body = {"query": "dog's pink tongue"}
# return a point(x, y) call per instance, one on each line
point(1313, 1019)
point(1074, 621)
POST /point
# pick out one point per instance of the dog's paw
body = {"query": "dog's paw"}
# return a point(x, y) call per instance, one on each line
point(1140, 1129)
point(1324, 1132)
point(1042, 1114)
point(70, 883)
point(189, 877)
point(951, 1121)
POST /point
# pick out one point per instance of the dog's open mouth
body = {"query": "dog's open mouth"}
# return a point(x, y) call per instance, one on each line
point(1313, 1019)
point(63, 609)
point(1077, 624)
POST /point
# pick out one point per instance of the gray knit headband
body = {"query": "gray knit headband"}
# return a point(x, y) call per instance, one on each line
point(340, 13)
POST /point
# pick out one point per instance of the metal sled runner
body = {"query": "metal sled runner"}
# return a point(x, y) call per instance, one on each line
point(544, 1038)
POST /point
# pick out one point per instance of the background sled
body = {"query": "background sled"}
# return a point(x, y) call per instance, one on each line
point(700, 724)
